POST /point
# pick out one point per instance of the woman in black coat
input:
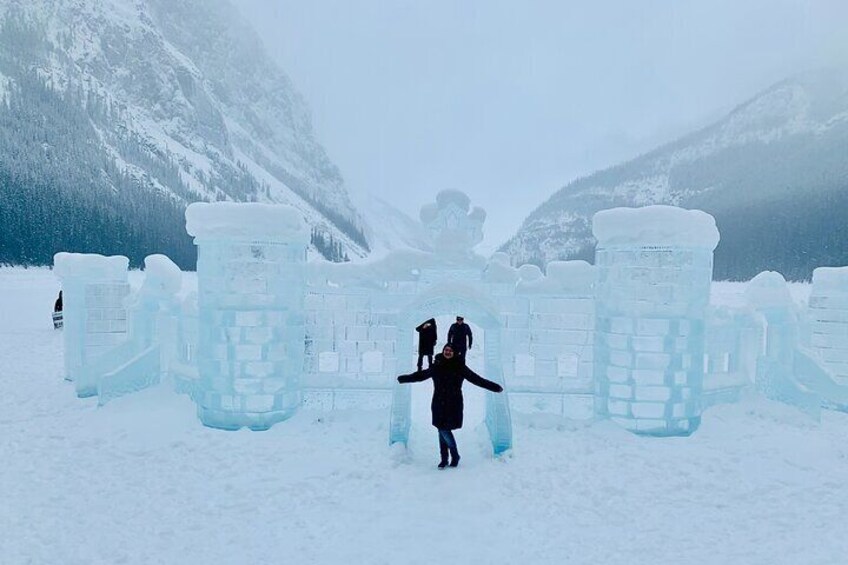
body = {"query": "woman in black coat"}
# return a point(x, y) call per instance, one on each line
point(448, 372)
point(427, 337)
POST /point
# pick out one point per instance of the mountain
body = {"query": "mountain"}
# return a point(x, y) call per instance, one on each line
point(390, 229)
point(117, 113)
point(774, 173)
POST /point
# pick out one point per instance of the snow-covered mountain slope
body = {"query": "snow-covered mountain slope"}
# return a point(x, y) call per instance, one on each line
point(774, 172)
point(173, 98)
point(389, 229)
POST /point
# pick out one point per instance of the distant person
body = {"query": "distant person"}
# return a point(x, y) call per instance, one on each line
point(448, 372)
point(58, 320)
point(427, 337)
point(460, 337)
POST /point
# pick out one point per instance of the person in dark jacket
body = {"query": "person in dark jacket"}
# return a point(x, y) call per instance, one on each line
point(57, 306)
point(448, 372)
point(460, 337)
point(427, 337)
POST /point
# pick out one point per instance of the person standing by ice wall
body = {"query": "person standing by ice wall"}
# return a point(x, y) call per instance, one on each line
point(460, 337)
point(654, 269)
point(251, 263)
point(427, 337)
point(57, 312)
point(448, 372)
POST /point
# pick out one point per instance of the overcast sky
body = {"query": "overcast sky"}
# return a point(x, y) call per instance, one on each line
point(511, 100)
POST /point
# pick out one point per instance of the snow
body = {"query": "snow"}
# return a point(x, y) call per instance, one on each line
point(91, 266)
point(562, 278)
point(206, 220)
point(162, 274)
point(141, 481)
point(768, 290)
point(655, 225)
point(830, 277)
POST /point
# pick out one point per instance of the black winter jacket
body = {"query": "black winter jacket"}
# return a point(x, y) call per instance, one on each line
point(427, 337)
point(460, 337)
point(447, 378)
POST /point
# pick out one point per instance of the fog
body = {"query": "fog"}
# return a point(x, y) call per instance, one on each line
point(509, 101)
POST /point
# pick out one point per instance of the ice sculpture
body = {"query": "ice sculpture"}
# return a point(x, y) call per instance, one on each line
point(654, 268)
point(145, 357)
point(452, 280)
point(183, 366)
point(251, 262)
point(451, 223)
point(94, 288)
point(733, 337)
point(828, 319)
point(630, 338)
point(768, 295)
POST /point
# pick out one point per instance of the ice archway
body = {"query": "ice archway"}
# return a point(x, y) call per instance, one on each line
point(453, 299)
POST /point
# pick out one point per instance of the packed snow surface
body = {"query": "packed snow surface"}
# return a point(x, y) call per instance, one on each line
point(655, 225)
point(140, 481)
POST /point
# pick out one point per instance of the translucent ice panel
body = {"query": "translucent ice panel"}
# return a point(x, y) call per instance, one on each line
point(328, 362)
point(372, 362)
point(524, 365)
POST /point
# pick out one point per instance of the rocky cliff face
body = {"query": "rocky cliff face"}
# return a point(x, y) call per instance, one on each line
point(774, 172)
point(115, 105)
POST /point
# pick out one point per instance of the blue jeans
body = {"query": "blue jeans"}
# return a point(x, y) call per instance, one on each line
point(447, 443)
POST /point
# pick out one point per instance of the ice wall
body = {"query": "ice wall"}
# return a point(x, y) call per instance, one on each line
point(146, 356)
point(251, 281)
point(768, 295)
point(828, 318)
point(94, 288)
point(654, 268)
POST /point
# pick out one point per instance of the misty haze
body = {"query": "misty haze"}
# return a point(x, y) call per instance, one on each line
point(251, 250)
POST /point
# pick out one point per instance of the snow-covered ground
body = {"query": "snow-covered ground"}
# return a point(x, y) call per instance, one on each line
point(141, 481)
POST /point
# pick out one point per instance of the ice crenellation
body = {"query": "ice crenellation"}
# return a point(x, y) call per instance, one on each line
point(632, 338)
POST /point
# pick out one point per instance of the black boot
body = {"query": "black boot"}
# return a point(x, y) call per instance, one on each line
point(443, 451)
point(454, 453)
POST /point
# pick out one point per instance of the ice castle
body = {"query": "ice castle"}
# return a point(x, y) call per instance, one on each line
point(632, 338)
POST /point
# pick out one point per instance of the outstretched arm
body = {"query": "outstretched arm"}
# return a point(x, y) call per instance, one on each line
point(477, 380)
point(415, 377)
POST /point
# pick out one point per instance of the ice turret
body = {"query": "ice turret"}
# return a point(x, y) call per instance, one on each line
point(251, 276)
point(654, 267)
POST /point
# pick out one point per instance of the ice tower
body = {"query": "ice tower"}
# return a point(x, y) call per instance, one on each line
point(251, 262)
point(94, 288)
point(654, 268)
